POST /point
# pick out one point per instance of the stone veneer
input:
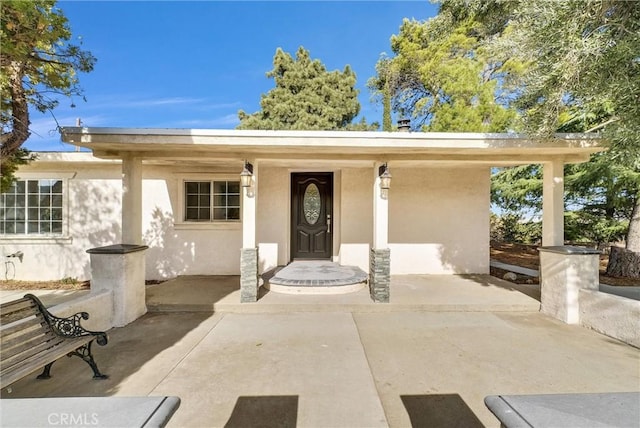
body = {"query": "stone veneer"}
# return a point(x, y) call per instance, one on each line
point(249, 279)
point(379, 274)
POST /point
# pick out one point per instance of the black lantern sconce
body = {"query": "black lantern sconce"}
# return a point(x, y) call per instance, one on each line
point(385, 180)
point(246, 178)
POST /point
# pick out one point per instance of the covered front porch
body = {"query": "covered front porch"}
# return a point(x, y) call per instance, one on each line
point(433, 219)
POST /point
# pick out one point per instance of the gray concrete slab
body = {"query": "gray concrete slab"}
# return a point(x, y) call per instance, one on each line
point(344, 370)
point(315, 358)
point(434, 369)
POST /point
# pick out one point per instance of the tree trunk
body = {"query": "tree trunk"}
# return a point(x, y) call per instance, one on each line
point(623, 262)
point(633, 235)
point(626, 261)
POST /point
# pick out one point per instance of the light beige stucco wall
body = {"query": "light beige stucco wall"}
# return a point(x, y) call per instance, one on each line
point(92, 215)
point(178, 248)
point(272, 230)
point(356, 221)
point(439, 220)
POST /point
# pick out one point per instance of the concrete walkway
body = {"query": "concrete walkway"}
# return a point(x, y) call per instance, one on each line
point(343, 369)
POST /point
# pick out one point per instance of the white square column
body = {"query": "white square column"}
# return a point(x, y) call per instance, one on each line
point(380, 255)
point(249, 278)
point(132, 200)
point(380, 212)
point(564, 271)
point(553, 203)
point(120, 268)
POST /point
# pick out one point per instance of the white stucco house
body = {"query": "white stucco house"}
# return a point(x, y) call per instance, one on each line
point(310, 194)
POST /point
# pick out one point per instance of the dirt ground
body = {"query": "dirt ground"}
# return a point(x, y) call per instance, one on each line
point(514, 254)
point(527, 256)
point(44, 285)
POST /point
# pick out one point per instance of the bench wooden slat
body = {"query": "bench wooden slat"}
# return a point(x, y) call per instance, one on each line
point(28, 342)
point(29, 331)
point(28, 353)
point(18, 314)
point(22, 368)
point(15, 305)
point(26, 347)
point(8, 331)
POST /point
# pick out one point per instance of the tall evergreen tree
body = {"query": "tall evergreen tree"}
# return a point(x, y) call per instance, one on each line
point(441, 77)
point(306, 97)
point(37, 62)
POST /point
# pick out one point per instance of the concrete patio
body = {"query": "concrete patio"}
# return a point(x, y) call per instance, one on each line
point(408, 293)
point(314, 361)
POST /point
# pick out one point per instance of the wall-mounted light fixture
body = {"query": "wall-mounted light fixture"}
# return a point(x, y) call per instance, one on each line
point(385, 180)
point(246, 179)
point(246, 175)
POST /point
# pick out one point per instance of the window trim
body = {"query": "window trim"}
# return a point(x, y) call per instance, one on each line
point(62, 238)
point(181, 224)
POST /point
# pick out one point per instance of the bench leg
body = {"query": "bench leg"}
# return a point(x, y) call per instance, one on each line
point(84, 352)
point(46, 372)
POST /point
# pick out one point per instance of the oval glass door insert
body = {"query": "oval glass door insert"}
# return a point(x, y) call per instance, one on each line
point(311, 203)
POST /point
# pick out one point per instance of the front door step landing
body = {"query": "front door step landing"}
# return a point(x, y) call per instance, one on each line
point(316, 277)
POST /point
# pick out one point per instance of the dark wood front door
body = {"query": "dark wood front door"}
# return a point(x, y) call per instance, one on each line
point(311, 215)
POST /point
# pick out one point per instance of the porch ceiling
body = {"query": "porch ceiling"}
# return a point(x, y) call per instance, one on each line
point(177, 145)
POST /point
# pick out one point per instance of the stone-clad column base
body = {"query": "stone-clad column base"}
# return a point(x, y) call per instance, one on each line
point(249, 279)
point(379, 274)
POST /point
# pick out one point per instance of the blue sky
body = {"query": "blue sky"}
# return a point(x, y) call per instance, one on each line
point(194, 64)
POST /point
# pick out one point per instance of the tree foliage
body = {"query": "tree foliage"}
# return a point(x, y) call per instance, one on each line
point(583, 75)
point(578, 70)
point(442, 77)
point(582, 56)
point(306, 97)
point(37, 63)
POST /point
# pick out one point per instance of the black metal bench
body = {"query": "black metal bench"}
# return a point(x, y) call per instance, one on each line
point(32, 338)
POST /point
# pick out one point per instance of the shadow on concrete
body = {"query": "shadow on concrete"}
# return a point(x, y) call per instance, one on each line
point(145, 350)
point(531, 290)
point(193, 292)
point(439, 410)
point(264, 412)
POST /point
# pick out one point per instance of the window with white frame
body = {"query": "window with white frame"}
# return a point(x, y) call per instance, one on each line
point(32, 207)
point(211, 201)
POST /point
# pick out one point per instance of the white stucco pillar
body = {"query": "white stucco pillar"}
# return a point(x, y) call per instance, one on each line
point(380, 213)
point(119, 269)
point(380, 255)
point(132, 200)
point(553, 203)
point(249, 278)
point(249, 213)
point(564, 271)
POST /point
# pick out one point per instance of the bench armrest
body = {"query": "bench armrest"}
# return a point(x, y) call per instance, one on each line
point(69, 327)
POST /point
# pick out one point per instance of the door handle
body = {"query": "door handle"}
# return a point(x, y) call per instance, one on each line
point(328, 223)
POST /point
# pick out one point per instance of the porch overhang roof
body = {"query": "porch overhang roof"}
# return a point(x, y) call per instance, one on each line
point(198, 144)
